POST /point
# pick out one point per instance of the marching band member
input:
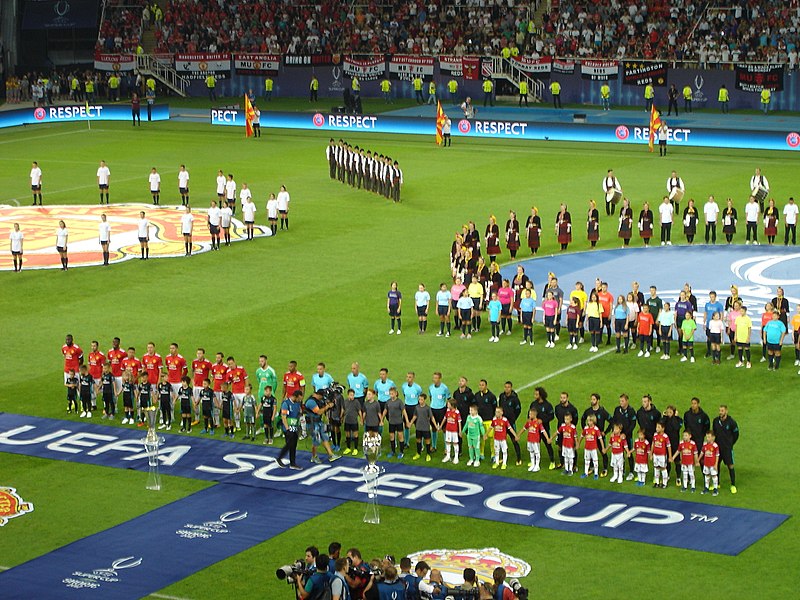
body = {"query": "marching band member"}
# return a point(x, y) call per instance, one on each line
point(729, 218)
point(759, 187)
point(564, 226)
point(593, 224)
point(646, 224)
point(625, 222)
point(397, 181)
point(676, 190)
point(512, 234)
point(666, 212)
point(492, 237)
point(533, 226)
point(611, 188)
point(690, 221)
point(771, 218)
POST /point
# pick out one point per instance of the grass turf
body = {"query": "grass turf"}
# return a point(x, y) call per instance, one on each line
point(318, 293)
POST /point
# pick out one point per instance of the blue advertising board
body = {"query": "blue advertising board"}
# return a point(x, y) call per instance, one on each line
point(564, 132)
point(77, 112)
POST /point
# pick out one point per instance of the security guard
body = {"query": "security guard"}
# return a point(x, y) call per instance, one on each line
point(488, 86)
point(687, 98)
point(113, 87)
point(211, 84)
point(452, 87)
point(416, 83)
point(649, 94)
point(386, 90)
point(313, 89)
point(432, 92)
point(766, 96)
point(355, 86)
point(268, 85)
point(605, 96)
point(75, 89)
point(506, 53)
point(89, 89)
point(555, 91)
point(150, 84)
point(523, 92)
point(723, 97)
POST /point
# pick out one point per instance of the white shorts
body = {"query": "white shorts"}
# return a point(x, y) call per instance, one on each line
point(659, 461)
point(500, 445)
point(451, 437)
point(640, 468)
point(533, 447)
point(568, 452)
point(196, 393)
point(590, 455)
point(689, 469)
point(238, 399)
point(66, 376)
point(118, 382)
point(175, 389)
point(617, 461)
point(710, 471)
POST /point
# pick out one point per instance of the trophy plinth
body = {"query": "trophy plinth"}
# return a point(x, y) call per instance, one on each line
point(151, 442)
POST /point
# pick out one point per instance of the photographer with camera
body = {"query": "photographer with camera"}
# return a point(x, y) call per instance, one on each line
point(391, 587)
point(315, 584)
point(290, 418)
point(416, 586)
point(316, 407)
point(359, 576)
point(339, 588)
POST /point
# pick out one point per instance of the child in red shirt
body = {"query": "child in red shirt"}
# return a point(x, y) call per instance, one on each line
point(452, 430)
point(592, 439)
point(568, 435)
point(501, 428)
point(641, 452)
point(711, 465)
point(645, 330)
point(617, 444)
point(660, 450)
point(535, 430)
point(687, 450)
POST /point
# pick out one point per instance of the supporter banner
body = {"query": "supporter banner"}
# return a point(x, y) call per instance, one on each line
point(257, 64)
point(631, 133)
point(365, 70)
point(310, 60)
point(751, 78)
point(487, 67)
point(599, 70)
point(609, 513)
point(59, 14)
point(540, 67)
point(194, 66)
point(114, 62)
point(471, 66)
point(406, 67)
point(77, 112)
point(452, 66)
point(634, 73)
point(567, 67)
point(148, 553)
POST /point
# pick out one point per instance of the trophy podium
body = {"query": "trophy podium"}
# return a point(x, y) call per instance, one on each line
point(372, 472)
point(151, 442)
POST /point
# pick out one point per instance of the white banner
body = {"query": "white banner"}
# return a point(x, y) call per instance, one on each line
point(202, 63)
point(599, 70)
point(451, 65)
point(532, 65)
point(408, 67)
point(114, 62)
point(255, 64)
point(364, 70)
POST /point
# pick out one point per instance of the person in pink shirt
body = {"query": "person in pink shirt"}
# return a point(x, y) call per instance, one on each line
point(506, 296)
point(455, 294)
point(550, 307)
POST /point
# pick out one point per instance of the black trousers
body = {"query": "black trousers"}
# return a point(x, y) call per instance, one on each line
point(666, 232)
point(290, 447)
point(793, 229)
point(711, 232)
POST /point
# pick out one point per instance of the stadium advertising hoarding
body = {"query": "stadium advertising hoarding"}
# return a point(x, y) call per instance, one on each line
point(76, 112)
point(199, 66)
point(487, 128)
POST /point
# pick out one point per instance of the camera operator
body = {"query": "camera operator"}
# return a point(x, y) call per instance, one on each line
point(290, 417)
point(470, 579)
point(392, 586)
point(439, 587)
point(501, 590)
point(339, 589)
point(416, 583)
point(312, 552)
point(315, 584)
point(316, 408)
point(359, 576)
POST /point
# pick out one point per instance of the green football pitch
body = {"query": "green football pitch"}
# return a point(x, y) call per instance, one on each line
point(318, 293)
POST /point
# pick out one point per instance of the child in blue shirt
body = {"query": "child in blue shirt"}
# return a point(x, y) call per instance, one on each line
point(494, 317)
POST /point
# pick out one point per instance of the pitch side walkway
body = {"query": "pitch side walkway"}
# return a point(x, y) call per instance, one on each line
point(602, 512)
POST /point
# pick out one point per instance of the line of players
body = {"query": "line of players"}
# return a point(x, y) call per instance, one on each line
point(361, 168)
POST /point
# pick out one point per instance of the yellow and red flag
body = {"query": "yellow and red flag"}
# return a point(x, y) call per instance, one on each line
point(655, 124)
point(440, 120)
point(249, 115)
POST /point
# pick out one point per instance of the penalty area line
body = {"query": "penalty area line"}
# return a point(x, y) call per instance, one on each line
point(565, 369)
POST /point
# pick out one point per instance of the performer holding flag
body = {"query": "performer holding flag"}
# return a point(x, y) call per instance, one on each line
point(655, 125)
point(249, 115)
point(441, 119)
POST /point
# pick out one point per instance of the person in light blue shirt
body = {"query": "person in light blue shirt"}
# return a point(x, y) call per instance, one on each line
point(357, 382)
point(773, 332)
point(443, 298)
point(439, 394)
point(494, 308)
point(422, 299)
point(321, 380)
point(527, 308)
point(713, 305)
point(666, 323)
point(381, 387)
point(411, 391)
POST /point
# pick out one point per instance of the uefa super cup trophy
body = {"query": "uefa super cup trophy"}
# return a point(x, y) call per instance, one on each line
point(151, 443)
point(372, 472)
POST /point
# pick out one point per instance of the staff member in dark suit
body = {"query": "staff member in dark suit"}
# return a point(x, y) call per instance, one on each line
point(602, 420)
point(545, 412)
point(487, 403)
point(696, 422)
point(647, 417)
point(625, 415)
point(726, 432)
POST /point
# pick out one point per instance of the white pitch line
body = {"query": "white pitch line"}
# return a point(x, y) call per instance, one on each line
point(167, 597)
point(565, 369)
point(80, 187)
point(39, 137)
point(2, 568)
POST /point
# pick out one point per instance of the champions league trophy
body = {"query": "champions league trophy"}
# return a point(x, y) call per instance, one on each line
point(151, 443)
point(372, 472)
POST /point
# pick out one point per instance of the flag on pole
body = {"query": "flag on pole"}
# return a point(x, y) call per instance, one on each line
point(440, 120)
point(249, 115)
point(655, 124)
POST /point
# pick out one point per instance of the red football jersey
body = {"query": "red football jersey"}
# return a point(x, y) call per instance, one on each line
point(115, 358)
point(152, 364)
point(72, 357)
point(452, 420)
point(645, 323)
point(134, 364)
point(237, 376)
point(687, 450)
point(641, 448)
point(201, 370)
point(710, 454)
point(606, 300)
point(293, 382)
point(590, 436)
point(661, 444)
point(219, 375)
point(535, 430)
point(618, 443)
point(96, 362)
point(567, 435)
point(176, 367)
point(500, 427)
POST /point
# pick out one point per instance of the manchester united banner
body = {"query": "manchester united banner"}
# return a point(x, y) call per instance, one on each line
point(451, 65)
point(640, 73)
point(599, 70)
point(196, 66)
point(257, 64)
point(365, 70)
point(751, 78)
point(537, 67)
point(402, 66)
point(114, 62)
